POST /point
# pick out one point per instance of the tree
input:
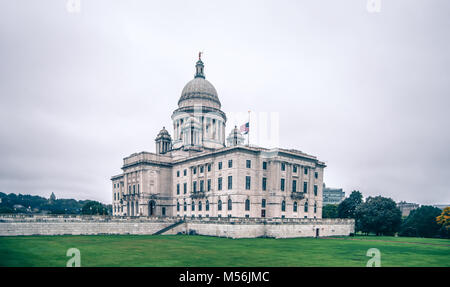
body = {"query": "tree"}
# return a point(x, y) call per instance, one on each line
point(347, 208)
point(330, 211)
point(379, 215)
point(444, 221)
point(421, 222)
point(94, 207)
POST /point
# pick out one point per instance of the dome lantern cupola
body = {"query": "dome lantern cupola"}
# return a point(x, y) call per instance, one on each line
point(199, 67)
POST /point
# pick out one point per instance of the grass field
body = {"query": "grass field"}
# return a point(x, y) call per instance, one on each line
point(182, 250)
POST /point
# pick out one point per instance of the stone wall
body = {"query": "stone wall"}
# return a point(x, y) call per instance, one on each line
point(222, 227)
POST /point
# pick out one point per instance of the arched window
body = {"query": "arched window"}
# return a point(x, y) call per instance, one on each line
point(315, 207)
point(199, 206)
point(295, 206)
point(193, 205)
point(230, 204)
point(178, 206)
point(207, 205)
point(283, 205)
point(185, 206)
point(247, 204)
point(306, 206)
point(219, 205)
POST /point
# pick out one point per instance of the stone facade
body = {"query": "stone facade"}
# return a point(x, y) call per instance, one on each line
point(197, 176)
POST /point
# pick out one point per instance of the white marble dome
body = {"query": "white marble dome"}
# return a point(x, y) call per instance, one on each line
point(199, 91)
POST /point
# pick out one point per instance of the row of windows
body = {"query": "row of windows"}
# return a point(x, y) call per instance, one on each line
point(247, 205)
point(247, 185)
point(248, 164)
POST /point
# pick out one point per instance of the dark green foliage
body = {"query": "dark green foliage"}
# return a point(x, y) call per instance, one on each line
point(330, 211)
point(347, 208)
point(38, 204)
point(421, 222)
point(94, 208)
point(378, 215)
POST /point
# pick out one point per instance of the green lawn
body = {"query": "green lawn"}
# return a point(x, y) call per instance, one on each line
point(183, 250)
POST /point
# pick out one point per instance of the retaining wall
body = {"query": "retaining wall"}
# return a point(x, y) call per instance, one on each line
point(14, 225)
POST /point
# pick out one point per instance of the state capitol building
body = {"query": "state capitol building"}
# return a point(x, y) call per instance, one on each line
point(202, 173)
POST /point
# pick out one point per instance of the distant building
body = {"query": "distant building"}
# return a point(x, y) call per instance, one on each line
point(406, 207)
point(332, 195)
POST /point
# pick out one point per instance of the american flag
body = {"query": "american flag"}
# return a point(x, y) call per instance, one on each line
point(245, 128)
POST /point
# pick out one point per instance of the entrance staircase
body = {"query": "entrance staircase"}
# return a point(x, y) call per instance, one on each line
point(168, 227)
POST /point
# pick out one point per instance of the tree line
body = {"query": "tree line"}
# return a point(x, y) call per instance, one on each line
point(33, 204)
point(380, 216)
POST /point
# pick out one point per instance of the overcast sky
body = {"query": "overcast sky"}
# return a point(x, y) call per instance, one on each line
point(367, 93)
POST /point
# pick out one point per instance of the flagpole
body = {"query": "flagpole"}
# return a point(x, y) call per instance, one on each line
point(248, 134)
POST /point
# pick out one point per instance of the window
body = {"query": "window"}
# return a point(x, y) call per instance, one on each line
point(201, 169)
point(134, 189)
point(247, 204)
point(219, 183)
point(315, 190)
point(178, 206)
point(220, 165)
point(294, 169)
point(316, 174)
point(230, 163)
point(264, 164)
point(184, 172)
point(283, 166)
point(305, 187)
point(201, 185)
point(209, 167)
point(264, 183)
point(306, 206)
point(283, 205)
point(247, 182)
point(138, 188)
point(209, 184)
point(178, 188)
point(282, 184)
point(263, 203)
point(306, 170)
point(248, 163)
point(195, 170)
point(219, 205)
point(199, 206)
point(207, 205)
point(178, 173)
point(193, 205)
point(295, 206)
point(185, 206)
point(195, 186)
point(294, 185)
point(230, 182)
point(315, 207)
point(184, 188)
point(230, 204)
